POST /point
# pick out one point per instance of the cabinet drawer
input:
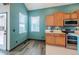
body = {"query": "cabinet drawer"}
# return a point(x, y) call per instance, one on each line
point(48, 34)
point(59, 35)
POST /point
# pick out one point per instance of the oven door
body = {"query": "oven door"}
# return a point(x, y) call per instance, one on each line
point(71, 42)
point(72, 39)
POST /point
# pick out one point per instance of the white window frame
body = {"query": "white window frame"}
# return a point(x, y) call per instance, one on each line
point(22, 22)
point(35, 23)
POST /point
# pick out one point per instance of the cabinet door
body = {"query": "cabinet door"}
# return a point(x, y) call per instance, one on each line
point(50, 39)
point(60, 40)
point(60, 22)
point(74, 15)
point(77, 13)
point(58, 19)
point(66, 16)
point(49, 20)
point(55, 19)
point(61, 18)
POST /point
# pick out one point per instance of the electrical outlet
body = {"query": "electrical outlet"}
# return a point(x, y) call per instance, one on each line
point(16, 41)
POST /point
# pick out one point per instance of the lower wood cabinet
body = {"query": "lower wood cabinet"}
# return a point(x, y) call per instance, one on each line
point(60, 41)
point(55, 39)
point(50, 39)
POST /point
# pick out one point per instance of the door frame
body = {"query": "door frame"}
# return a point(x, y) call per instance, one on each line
point(6, 26)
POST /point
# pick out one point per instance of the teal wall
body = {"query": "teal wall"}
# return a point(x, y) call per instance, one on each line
point(15, 9)
point(43, 13)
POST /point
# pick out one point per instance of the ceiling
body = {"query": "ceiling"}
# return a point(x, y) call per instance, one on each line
point(34, 6)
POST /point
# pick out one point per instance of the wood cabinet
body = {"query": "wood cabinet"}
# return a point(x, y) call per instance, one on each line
point(55, 39)
point(49, 20)
point(74, 15)
point(60, 39)
point(77, 13)
point(50, 38)
point(58, 19)
point(55, 20)
point(66, 16)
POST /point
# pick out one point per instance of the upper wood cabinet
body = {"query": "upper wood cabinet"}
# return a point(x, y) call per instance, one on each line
point(77, 13)
point(49, 20)
point(67, 16)
point(74, 15)
point(58, 18)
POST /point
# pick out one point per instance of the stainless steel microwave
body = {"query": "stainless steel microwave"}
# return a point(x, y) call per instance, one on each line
point(71, 22)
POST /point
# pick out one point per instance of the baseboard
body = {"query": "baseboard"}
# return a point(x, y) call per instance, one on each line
point(19, 44)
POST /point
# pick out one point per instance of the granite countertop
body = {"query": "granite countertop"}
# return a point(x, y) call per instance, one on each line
point(55, 31)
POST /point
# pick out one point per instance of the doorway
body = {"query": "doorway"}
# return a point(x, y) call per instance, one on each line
point(3, 30)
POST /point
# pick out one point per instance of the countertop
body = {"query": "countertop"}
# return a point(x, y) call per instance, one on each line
point(54, 31)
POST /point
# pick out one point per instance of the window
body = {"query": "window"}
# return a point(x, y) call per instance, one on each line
point(22, 18)
point(35, 23)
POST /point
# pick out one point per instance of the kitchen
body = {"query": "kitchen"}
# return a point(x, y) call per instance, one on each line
point(62, 30)
point(67, 11)
point(47, 29)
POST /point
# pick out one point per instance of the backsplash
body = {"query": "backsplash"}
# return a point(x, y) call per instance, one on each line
point(62, 28)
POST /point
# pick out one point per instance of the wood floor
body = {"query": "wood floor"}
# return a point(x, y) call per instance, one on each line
point(35, 47)
point(32, 47)
point(56, 50)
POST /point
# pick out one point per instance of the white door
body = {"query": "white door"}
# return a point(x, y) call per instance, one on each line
point(3, 31)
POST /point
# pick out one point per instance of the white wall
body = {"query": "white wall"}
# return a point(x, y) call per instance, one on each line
point(6, 8)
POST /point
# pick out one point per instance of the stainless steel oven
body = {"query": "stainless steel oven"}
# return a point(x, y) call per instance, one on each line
point(71, 42)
